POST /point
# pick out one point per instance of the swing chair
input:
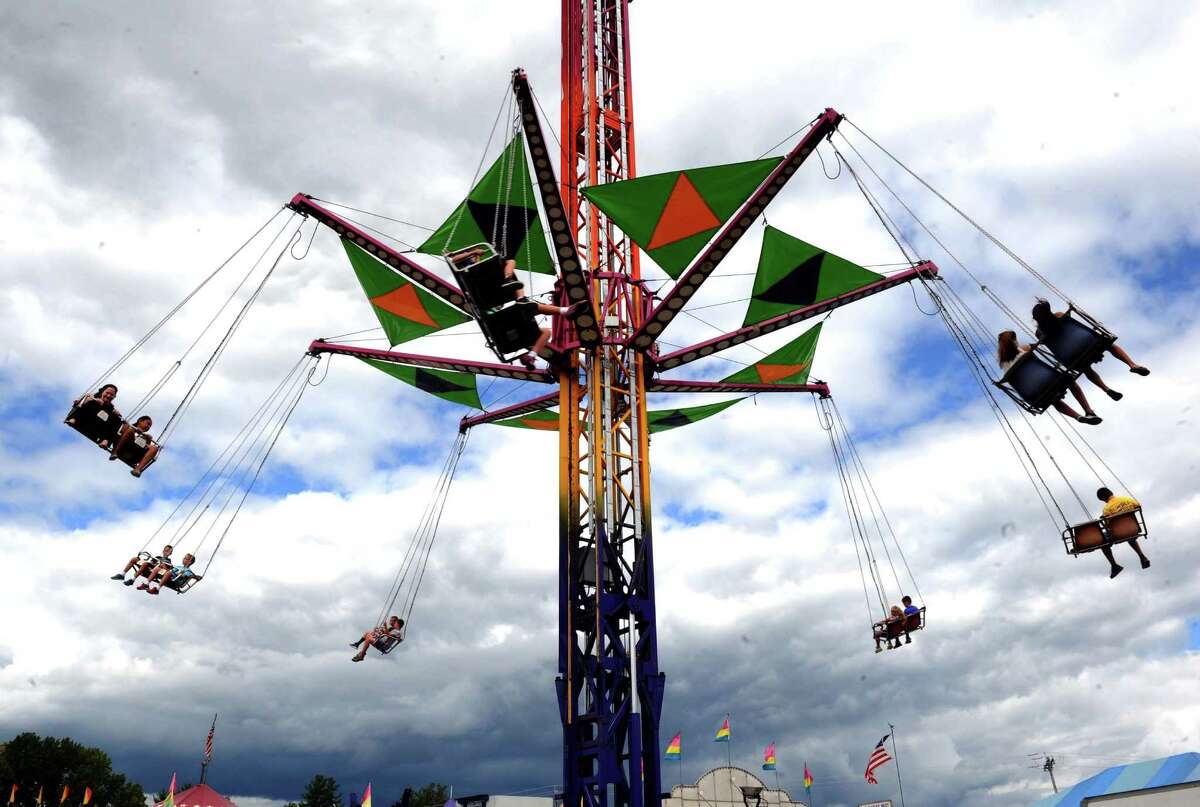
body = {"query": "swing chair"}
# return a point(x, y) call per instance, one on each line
point(402, 594)
point(95, 417)
point(1036, 380)
point(1108, 531)
point(214, 498)
point(864, 510)
point(1079, 340)
point(508, 325)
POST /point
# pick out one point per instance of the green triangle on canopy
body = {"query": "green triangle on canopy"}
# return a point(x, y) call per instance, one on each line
point(790, 364)
point(793, 274)
point(452, 386)
point(542, 420)
point(405, 310)
point(500, 210)
point(662, 420)
point(672, 216)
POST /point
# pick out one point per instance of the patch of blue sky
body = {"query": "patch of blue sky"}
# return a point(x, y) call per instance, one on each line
point(1169, 270)
point(1194, 634)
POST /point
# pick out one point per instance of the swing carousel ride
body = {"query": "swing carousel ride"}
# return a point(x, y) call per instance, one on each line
point(525, 243)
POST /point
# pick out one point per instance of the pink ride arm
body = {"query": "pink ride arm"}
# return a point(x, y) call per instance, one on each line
point(733, 230)
point(667, 385)
point(435, 362)
point(304, 205)
point(537, 404)
point(699, 350)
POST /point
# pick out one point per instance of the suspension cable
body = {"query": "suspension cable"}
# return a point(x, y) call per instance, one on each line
point(1003, 247)
point(175, 309)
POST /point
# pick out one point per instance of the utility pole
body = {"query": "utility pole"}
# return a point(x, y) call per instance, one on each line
point(1048, 767)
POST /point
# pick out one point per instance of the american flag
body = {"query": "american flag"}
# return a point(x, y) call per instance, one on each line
point(209, 742)
point(878, 758)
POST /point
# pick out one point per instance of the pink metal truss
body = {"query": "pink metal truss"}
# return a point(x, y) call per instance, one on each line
point(436, 362)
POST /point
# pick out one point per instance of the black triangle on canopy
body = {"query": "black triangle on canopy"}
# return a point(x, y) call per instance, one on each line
point(505, 225)
point(797, 287)
point(676, 418)
point(427, 381)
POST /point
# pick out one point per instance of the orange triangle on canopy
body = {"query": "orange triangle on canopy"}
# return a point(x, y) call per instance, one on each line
point(404, 302)
point(685, 214)
point(543, 425)
point(770, 373)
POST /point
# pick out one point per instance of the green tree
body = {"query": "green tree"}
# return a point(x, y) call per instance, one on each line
point(50, 763)
point(434, 794)
point(321, 791)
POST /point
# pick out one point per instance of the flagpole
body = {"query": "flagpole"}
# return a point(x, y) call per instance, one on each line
point(207, 755)
point(729, 757)
point(896, 755)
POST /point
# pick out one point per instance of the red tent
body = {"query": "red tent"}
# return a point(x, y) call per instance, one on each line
point(200, 796)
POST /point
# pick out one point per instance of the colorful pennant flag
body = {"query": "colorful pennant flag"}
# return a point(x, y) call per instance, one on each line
point(675, 747)
point(673, 215)
point(404, 310)
point(808, 780)
point(769, 758)
point(366, 799)
point(793, 274)
point(39, 798)
point(500, 210)
point(449, 385)
point(723, 732)
point(87, 796)
point(542, 420)
point(12, 793)
point(788, 365)
point(66, 792)
point(169, 801)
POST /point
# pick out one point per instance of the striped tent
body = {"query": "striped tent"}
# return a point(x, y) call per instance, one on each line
point(1141, 776)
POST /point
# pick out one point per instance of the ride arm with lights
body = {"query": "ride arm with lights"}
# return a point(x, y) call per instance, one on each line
point(305, 205)
point(737, 225)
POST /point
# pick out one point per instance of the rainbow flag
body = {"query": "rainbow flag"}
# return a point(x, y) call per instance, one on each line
point(769, 757)
point(723, 732)
point(675, 747)
point(87, 796)
point(169, 801)
point(808, 780)
point(366, 799)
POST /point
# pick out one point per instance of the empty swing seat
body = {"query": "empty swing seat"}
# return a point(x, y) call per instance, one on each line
point(1079, 343)
point(1091, 535)
point(480, 273)
point(1035, 383)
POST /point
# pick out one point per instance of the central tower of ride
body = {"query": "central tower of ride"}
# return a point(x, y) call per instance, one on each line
point(609, 688)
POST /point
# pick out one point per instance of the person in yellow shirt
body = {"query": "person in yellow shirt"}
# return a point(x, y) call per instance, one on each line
point(1114, 506)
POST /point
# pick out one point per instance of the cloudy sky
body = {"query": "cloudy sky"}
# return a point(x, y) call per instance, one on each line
point(142, 142)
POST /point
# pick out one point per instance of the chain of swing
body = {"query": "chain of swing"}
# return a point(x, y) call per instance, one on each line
point(210, 507)
point(972, 336)
point(870, 528)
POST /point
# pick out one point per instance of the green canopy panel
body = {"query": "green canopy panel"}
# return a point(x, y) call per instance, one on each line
point(793, 274)
point(790, 364)
point(404, 309)
point(542, 420)
point(673, 215)
point(455, 387)
point(660, 420)
point(500, 210)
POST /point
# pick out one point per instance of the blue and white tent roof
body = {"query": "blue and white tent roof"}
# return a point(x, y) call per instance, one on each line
point(1124, 778)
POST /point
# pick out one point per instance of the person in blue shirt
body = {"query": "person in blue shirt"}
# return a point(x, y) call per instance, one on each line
point(909, 611)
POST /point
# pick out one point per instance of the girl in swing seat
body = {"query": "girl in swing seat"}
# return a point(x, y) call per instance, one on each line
point(380, 637)
point(1008, 350)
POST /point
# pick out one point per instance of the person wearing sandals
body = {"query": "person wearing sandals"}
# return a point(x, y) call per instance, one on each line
point(1048, 321)
point(1008, 350)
